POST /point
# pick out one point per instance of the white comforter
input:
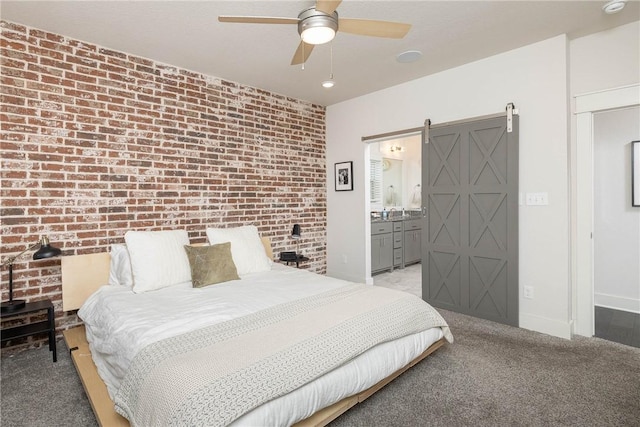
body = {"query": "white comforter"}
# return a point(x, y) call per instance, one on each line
point(119, 323)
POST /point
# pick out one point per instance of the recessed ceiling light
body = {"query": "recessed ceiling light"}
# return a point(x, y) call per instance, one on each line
point(614, 6)
point(409, 56)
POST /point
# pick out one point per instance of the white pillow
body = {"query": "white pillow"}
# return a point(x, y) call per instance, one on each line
point(158, 258)
point(247, 250)
point(120, 270)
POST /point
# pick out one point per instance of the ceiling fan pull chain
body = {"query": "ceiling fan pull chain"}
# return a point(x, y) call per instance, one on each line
point(331, 61)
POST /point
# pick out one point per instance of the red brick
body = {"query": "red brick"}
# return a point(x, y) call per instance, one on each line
point(97, 142)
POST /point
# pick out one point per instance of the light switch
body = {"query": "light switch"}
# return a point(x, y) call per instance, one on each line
point(537, 199)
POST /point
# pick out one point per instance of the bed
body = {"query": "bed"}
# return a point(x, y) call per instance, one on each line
point(265, 344)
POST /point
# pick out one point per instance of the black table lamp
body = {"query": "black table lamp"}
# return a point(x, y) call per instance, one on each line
point(45, 251)
point(295, 234)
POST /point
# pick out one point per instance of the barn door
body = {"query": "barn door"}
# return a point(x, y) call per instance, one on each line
point(470, 229)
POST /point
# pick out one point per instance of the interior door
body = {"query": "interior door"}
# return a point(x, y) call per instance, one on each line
point(470, 228)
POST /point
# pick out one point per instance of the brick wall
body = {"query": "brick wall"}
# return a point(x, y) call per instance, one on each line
point(97, 142)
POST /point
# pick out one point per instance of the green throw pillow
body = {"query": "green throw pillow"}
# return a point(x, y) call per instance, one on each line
point(211, 264)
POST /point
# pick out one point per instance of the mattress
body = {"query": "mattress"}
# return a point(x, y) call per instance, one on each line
point(120, 323)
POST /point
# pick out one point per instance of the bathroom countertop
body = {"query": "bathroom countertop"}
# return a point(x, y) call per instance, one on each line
point(395, 218)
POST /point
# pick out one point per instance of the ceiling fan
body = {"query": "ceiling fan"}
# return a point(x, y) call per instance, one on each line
point(320, 23)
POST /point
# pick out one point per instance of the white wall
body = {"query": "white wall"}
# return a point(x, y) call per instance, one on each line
point(535, 79)
point(616, 223)
point(605, 60)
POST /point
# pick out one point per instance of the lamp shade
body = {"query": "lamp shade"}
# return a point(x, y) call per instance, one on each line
point(46, 250)
point(296, 231)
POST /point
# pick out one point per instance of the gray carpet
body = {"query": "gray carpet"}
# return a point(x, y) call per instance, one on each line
point(37, 392)
point(493, 375)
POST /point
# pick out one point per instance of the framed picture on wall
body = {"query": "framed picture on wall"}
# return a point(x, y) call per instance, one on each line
point(344, 176)
point(635, 174)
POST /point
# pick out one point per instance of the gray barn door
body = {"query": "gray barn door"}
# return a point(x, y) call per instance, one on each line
point(470, 233)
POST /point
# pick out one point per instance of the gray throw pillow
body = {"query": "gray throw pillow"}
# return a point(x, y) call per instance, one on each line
point(211, 264)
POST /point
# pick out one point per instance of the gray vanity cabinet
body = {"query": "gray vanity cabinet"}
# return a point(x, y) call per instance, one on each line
point(395, 244)
point(412, 241)
point(381, 246)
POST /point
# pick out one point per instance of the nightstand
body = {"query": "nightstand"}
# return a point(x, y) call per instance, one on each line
point(33, 328)
point(298, 260)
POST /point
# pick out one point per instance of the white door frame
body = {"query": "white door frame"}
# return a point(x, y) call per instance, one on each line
point(586, 106)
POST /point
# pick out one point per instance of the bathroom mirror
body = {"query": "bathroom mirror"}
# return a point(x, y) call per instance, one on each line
point(392, 183)
point(395, 173)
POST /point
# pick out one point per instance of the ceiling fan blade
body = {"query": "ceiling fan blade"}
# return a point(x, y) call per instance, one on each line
point(327, 6)
point(298, 57)
point(365, 27)
point(257, 20)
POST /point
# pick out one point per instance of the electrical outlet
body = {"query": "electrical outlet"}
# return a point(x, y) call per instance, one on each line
point(528, 292)
point(344, 258)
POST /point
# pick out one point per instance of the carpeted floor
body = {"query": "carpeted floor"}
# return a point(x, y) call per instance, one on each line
point(497, 375)
point(492, 375)
point(37, 392)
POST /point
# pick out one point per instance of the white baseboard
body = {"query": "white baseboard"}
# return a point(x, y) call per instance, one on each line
point(348, 277)
point(554, 327)
point(617, 303)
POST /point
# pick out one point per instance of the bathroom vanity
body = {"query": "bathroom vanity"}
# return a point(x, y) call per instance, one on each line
point(395, 242)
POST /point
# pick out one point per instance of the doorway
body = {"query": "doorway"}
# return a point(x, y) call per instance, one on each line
point(616, 228)
point(586, 106)
point(394, 175)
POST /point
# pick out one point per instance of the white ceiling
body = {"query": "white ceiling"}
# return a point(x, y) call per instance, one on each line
point(187, 34)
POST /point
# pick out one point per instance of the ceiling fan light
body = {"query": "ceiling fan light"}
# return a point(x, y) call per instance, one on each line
point(317, 27)
point(318, 35)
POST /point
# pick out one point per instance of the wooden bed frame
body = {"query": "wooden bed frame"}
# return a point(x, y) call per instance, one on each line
point(83, 274)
